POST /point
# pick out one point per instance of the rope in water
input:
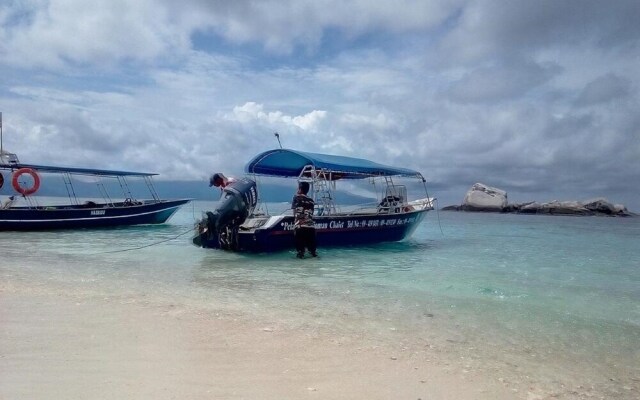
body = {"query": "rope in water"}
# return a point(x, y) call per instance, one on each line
point(193, 211)
point(148, 245)
point(435, 200)
point(438, 214)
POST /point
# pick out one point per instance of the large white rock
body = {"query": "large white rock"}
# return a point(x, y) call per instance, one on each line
point(484, 198)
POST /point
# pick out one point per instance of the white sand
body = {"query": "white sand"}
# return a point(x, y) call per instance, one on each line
point(59, 345)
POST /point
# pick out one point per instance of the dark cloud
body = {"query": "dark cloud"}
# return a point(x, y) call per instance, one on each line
point(604, 89)
point(500, 82)
point(495, 29)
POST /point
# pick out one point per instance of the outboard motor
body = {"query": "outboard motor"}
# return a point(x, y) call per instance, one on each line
point(238, 201)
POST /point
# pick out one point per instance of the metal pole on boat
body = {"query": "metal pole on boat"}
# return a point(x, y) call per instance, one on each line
point(277, 135)
point(1, 148)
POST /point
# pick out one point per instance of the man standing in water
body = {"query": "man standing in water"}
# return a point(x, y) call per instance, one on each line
point(304, 229)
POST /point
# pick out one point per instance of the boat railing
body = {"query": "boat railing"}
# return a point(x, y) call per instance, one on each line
point(8, 159)
point(364, 208)
point(394, 201)
point(285, 212)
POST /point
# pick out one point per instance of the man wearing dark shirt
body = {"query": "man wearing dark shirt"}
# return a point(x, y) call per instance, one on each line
point(303, 226)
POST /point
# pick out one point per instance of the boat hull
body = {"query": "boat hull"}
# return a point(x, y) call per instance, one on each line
point(74, 217)
point(276, 233)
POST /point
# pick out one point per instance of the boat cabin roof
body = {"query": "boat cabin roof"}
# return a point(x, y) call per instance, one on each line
point(290, 163)
point(79, 171)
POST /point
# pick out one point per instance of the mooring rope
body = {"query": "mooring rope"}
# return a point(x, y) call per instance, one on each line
point(148, 245)
point(438, 214)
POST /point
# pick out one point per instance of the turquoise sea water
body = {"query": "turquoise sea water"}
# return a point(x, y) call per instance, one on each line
point(552, 299)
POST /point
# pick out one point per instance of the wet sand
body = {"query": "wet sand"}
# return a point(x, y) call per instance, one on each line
point(60, 345)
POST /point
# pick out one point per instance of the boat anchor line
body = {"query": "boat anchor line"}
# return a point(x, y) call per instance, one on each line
point(147, 245)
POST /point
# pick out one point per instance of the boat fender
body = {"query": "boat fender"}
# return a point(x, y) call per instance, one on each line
point(1, 180)
point(28, 190)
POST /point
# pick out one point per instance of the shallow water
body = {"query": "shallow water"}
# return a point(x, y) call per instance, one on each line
point(555, 298)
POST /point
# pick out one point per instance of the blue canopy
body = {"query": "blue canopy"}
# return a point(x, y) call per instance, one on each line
point(290, 163)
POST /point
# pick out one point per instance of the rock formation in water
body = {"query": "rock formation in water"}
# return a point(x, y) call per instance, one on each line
point(484, 198)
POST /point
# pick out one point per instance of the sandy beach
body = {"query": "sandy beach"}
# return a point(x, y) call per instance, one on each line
point(58, 345)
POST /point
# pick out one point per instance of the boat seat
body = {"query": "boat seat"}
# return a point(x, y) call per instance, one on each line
point(390, 204)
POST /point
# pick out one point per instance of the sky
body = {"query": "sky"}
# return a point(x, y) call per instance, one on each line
point(538, 98)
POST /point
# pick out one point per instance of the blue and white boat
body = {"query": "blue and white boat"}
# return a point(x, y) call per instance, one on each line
point(239, 224)
point(29, 213)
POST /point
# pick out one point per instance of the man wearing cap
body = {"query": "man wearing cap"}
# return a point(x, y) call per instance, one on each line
point(219, 180)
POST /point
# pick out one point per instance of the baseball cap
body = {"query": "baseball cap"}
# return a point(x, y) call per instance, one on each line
point(217, 177)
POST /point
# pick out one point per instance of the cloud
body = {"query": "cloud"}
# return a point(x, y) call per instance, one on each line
point(605, 88)
point(500, 82)
point(281, 26)
point(536, 97)
point(252, 112)
point(489, 29)
point(52, 33)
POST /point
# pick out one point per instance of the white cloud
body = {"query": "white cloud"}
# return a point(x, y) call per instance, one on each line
point(52, 33)
point(253, 112)
point(310, 121)
point(281, 25)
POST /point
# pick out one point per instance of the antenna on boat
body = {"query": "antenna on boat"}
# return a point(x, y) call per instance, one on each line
point(277, 135)
point(1, 148)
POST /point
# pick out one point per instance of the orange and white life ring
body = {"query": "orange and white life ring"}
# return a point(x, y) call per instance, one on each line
point(26, 191)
